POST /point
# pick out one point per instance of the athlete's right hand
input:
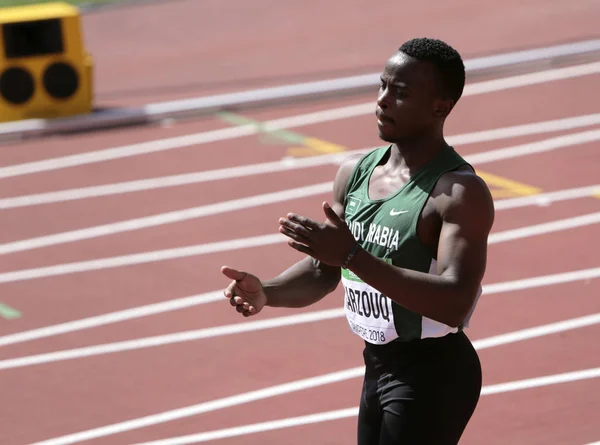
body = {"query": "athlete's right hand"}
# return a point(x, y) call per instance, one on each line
point(245, 292)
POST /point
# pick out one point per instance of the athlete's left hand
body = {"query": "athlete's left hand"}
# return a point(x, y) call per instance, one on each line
point(329, 242)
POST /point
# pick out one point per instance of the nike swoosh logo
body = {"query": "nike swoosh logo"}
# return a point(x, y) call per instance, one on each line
point(399, 212)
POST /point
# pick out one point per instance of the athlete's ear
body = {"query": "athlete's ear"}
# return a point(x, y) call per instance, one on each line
point(443, 107)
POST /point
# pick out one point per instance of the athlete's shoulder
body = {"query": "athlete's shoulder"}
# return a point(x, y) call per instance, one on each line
point(464, 178)
point(348, 168)
point(342, 179)
point(351, 162)
point(462, 190)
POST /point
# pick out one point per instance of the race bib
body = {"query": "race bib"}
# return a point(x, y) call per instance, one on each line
point(368, 311)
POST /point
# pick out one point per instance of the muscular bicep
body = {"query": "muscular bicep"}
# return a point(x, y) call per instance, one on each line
point(467, 219)
point(462, 256)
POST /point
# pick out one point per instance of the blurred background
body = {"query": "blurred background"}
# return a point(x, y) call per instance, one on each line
point(146, 143)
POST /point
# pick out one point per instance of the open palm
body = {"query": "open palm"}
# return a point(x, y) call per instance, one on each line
point(245, 292)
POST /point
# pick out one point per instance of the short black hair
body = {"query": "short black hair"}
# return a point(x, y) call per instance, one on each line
point(446, 59)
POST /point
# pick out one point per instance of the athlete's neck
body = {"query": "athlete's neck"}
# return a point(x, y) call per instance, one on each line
point(416, 153)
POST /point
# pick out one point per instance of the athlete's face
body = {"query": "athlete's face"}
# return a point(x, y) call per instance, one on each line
point(409, 102)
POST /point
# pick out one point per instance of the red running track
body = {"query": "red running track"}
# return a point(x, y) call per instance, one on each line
point(55, 396)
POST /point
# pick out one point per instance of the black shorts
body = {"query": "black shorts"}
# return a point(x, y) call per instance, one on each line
point(419, 393)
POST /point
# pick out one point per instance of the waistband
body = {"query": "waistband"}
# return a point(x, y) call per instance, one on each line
point(375, 354)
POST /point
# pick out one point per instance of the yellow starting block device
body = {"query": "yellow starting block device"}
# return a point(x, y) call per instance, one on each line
point(45, 71)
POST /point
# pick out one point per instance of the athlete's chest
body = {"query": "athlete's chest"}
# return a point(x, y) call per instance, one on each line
point(383, 184)
point(391, 212)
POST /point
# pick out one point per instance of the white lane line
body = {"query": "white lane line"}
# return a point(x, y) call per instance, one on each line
point(537, 331)
point(217, 295)
point(276, 390)
point(166, 218)
point(533, 78)
point(290, 122)
point(545, 280)
point(543, 146)
point(127, 151)
point(541, 381)
point(257, 200)
point(172, 181)
point(569, 123)
point(178, 337)
point(112, 317)
point(549, 227)
point(142, 258)
point(544, 199)
point(255, 241)
point(310, 317)
point(213, 405)
point(327, 416)
point(278, 166)
point(257, 427)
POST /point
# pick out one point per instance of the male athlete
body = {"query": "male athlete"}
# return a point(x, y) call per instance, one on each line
point(406, 234)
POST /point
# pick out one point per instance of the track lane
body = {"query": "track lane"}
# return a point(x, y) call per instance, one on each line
point(334, 337)
point(182, 277)
point(571, 88)
point(157, 277)
point(44, 220)
point(306, 399)
point(47, 147)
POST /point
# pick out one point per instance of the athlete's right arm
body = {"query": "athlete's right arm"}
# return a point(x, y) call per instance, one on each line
point(304, 283)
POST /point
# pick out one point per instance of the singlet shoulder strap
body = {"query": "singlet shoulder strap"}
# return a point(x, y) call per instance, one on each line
point(363, 168)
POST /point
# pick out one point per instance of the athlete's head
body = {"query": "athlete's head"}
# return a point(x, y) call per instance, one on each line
point(420, 85)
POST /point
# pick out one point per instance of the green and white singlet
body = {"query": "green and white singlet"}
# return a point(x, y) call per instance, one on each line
point(387, 228)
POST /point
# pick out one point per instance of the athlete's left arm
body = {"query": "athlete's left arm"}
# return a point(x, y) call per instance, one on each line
point(466, 208)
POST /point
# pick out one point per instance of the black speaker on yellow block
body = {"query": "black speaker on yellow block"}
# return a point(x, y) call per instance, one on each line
point(45, 71)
